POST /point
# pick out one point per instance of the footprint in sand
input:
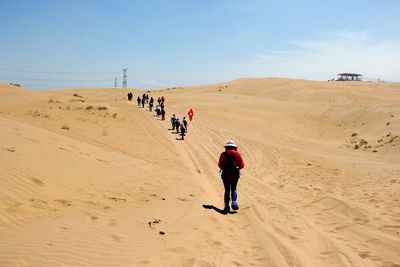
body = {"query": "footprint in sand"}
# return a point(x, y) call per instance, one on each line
point(92, 203)
point(36, 181)
point(61, 148)
point(361, 220)
point(112, 223)
point(115, 238)
point(8, 149)
point(214, 243)
point(38, 203)
point(117, 199)
point(64, 202)
point(102, 160)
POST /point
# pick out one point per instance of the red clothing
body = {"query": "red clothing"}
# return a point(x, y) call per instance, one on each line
point(238, 158)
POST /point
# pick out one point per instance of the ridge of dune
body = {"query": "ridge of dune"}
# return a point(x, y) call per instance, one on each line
point(90, 179)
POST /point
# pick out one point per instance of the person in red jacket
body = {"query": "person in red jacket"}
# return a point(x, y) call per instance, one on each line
point(230, 162)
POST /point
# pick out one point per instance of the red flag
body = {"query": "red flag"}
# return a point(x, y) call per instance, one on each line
point(190, 114)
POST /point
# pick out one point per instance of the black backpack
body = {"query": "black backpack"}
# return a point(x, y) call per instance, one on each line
point(229, 167)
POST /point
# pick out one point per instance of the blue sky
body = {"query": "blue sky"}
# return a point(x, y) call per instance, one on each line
point(56, 44)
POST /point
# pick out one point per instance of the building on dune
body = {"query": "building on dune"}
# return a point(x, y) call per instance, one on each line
point(349, 77)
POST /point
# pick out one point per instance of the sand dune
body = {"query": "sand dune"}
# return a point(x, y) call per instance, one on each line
point(89, 179)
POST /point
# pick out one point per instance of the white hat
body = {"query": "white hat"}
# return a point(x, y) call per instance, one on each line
point(230, 143)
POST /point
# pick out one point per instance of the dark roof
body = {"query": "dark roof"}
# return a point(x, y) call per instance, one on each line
point(349, 74)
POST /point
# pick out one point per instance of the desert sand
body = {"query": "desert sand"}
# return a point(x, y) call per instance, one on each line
point(89, 179)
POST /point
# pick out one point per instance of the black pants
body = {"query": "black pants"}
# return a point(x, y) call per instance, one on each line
point(230, 188)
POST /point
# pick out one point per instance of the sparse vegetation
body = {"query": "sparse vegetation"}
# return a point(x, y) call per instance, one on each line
point(15, 84)
point(65, 127)
point(114, 115)
point(54, 101)
point(96, 108)
point(363, 142)
point(77, 100)
point(76, 95)
point(356, 143)
point(38, 114)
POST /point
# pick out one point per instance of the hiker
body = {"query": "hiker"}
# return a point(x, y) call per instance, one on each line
point(150, 106)
point(230, 162)
point(182, 129)
point(177, 124)
point(143, 100)
point(162, 114)
point(130, 95)
point(173, 119)
point(185, 123)
point(158, 110)
point(138, 101)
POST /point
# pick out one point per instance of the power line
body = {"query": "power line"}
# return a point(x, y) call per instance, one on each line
point(53, 80)
point(23, 75)
point(56, 72)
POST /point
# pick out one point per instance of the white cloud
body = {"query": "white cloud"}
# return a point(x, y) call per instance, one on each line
point(323, 59)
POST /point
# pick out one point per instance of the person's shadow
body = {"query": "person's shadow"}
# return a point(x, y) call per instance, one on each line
point(223, 212)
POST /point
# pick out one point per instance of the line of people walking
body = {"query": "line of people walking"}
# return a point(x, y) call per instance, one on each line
point(180, 127)
point(230, 161)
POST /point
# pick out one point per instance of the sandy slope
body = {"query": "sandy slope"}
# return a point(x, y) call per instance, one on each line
point(83, 186)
